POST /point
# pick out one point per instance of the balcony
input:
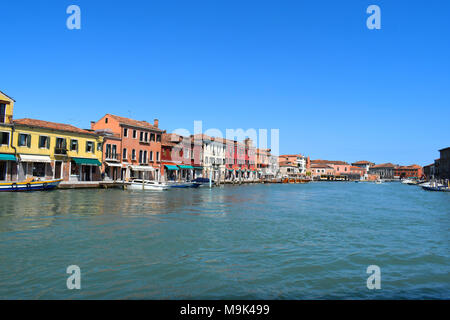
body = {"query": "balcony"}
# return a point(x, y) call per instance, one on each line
point(60, 151)
point(112, 157)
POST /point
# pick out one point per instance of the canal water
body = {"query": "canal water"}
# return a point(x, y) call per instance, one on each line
point(311, 241)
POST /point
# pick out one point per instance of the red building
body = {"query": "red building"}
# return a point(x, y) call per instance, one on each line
point(412, 171)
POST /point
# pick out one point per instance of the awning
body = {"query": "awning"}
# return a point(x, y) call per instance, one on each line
point(185, 167)
point(7, 157)
point(198, 168)
point(112, 164)
point(86, 161)
point(33, 158)
point(142, 168)
point(170, 167)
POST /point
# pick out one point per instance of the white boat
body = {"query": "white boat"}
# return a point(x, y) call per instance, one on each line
point(139, 184)
point(408, 181)
point(30, 185)
point(431, 184)
point(379, 181)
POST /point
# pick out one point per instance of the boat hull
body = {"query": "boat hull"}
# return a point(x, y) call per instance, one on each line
point(30, 186)
point(147, 186)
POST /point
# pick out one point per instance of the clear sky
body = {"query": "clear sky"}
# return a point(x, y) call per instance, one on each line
point(335, 89)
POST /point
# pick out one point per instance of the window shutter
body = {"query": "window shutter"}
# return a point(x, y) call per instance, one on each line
point(29, 141)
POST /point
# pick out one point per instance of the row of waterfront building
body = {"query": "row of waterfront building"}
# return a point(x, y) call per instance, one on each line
point(117, 148)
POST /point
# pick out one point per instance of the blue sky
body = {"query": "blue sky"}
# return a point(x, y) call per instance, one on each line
point(312, 69)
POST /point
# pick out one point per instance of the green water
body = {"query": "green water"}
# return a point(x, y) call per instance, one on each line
point(244, 242)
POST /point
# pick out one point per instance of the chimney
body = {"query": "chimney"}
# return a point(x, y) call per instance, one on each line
point(92, 125)
point(155, 123)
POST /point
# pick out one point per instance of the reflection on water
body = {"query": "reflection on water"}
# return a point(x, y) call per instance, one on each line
point(255, 241)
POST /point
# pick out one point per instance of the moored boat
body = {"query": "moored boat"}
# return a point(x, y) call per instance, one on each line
point(30, 185)
point(139, 184)
point(202, 182)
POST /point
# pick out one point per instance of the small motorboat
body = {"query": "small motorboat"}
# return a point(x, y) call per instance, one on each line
point(174, 184)
point(202, 182)
point(139, 184)
point(431, 184)
point(434, 186)
point(378, 181)
point(441, 189)
point(408, 181)
point(30, 185)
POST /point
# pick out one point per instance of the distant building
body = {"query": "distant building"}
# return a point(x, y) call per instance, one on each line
point(384, 170)
point(428, 171)
point(339, 167)
point(297, 159)
point(321, 169)
point(412, 171)
point(444, 164)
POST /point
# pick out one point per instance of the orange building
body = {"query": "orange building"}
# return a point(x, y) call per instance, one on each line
point(135, 144)
point(412, 171)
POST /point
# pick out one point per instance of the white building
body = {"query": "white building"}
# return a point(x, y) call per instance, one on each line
point(213, 156)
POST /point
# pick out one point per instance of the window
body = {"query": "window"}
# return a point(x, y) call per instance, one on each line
point(146, 137)
point(125, 132)
point(4, 138)
point(108, 151)
point(140, 156)
point(158, 138)
point(106, 120)
point(144, 159)
point(2, 112)
point(152, 137)
point(151, 156)
point(133, 154)
point(74, 145)
point(24, 140)
point(157, 156)
point(124, 154)
point(38, 169)
point(89, 146)
point(114, 151)
point(99, 146)
point(134, 134)
point(44, 142)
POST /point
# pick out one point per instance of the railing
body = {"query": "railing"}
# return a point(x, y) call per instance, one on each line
point(112, 156)
point(60, 150)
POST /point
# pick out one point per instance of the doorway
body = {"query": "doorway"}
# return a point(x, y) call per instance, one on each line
point(2, 170)
point(58, 167)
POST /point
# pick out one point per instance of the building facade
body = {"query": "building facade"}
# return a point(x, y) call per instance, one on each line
point(384, 170)
point(444, 163)
point(8, 160)
point(139, 153)
point(48, 150)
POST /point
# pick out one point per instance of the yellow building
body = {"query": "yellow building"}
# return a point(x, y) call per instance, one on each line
point(7, 153)
point(46, 150)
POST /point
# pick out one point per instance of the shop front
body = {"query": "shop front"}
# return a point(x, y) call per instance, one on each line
point(8, 167)
point(85, 169)
point(141, 172)
point(36, 166)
